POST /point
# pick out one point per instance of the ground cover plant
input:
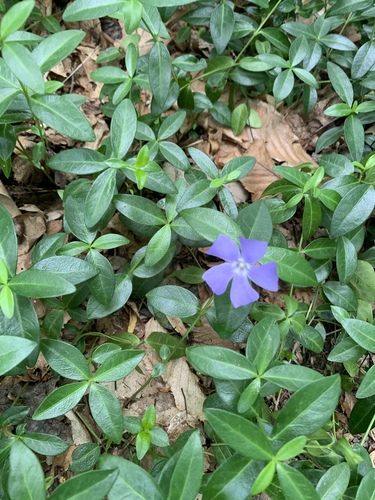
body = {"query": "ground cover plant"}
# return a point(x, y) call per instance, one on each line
point(260, 307)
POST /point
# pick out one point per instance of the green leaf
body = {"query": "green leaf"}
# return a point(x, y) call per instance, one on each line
point(7, 301)
point(158, 245)
point(17, 58)
point(173, 301)
point(107, 412)
point(84, 457)
point(13, 350)
point(123, 128)
point(159, 72)
point(362, 415)
point(227, 319)
point(131, 480)
point(40, 284)
point(118, 366)
point(352, 211)
point(204, 163)
point(171, 124)
point(291, 377)
point(367, 487)
point(60, 113)
point(363, 281)
point(363, 333)
point(346, 350)
point(291, 266)
point(132, 14)
point(99, 197)
point(184, 472)
point(109, 74)
point(292, 448)
point(240, 434)
point(102, 286)
point(336, 165)
point(308, 409)
point(191, 275)
point(110, 241)
point(347, 6)
point(72, 269)
point(25, 477)
point(15, 17)
point(56, 47)
point(94, 484)
point(294, 484)
point(139, 209)
point(123, 289)
point(263, 343)
point(142, 444)
point(367, 386)
point(65, 359)
point(221, 26)
point(232, 479)
point(298, 50)
point(8, 241)
point(341, 83)
point(239, 117)
point(312, 216)
point(45, 444)
point(354, 136)
point(363, 60)
point(210, 223)
point(220, 363)
point(82, 10)
point(81, 161)
point(283, 85)
point(196, 195)
point(174, 154)
point(156, 340)
point(340, 295)
point(329, 137)
point(61, 400)
point(321, 248)
point(346, 260)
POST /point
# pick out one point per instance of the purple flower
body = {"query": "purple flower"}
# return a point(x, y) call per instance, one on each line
point(240, 267)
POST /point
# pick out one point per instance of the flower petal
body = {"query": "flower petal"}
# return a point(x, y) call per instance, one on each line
point(265, 276)
point(252, 250)
point(218, 277)
point(242, 292)
point(224, 248)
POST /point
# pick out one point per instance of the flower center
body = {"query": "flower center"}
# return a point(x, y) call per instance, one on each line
point(241, 267)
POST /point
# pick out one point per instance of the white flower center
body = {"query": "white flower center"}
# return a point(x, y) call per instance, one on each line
point(241, 267)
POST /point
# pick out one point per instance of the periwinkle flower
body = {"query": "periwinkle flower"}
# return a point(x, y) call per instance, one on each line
point(240, 267)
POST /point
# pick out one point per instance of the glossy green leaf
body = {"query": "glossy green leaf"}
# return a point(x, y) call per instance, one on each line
point(45, 444)
point(82, 10)
point(99, 197)
point(171, 124)
point(72, 269)
point(341, 83)
point(294, 484)
point(40, 284)
point(363, 60)
point(240, 115)
point(94, 484)
point(291, 377)
point(363, 281)
point(340, 295)
point(346, 350)
point(182, 475)
point(312, 216)
point(118, 366)
point(25, 478)
point(107, 412)
point(220, 363)
point(131, 478)
point(210, 223)
point(60, 401)
point(292, 448)
point(221, 26)
point(13, 350)
point(122, 291)
point(204, 163)
point(173, 301)
point(17, 58)
point(367, 487)
point(321, 248)
point(159, 72)
point(283, 85)
point(141, 210)
point(308, 409)
point(56, 47)
point(354, 136)
point(362, 415)
point(81, 161)
point(58, 112)
point(291, 266)
point(123, 128)
point(263, 343)
point(367, 386)
point(240, 434)
point(65, 359)
point(354, 208)
point(346, 260)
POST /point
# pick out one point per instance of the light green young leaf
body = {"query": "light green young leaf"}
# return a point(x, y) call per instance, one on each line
point(15, 17)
